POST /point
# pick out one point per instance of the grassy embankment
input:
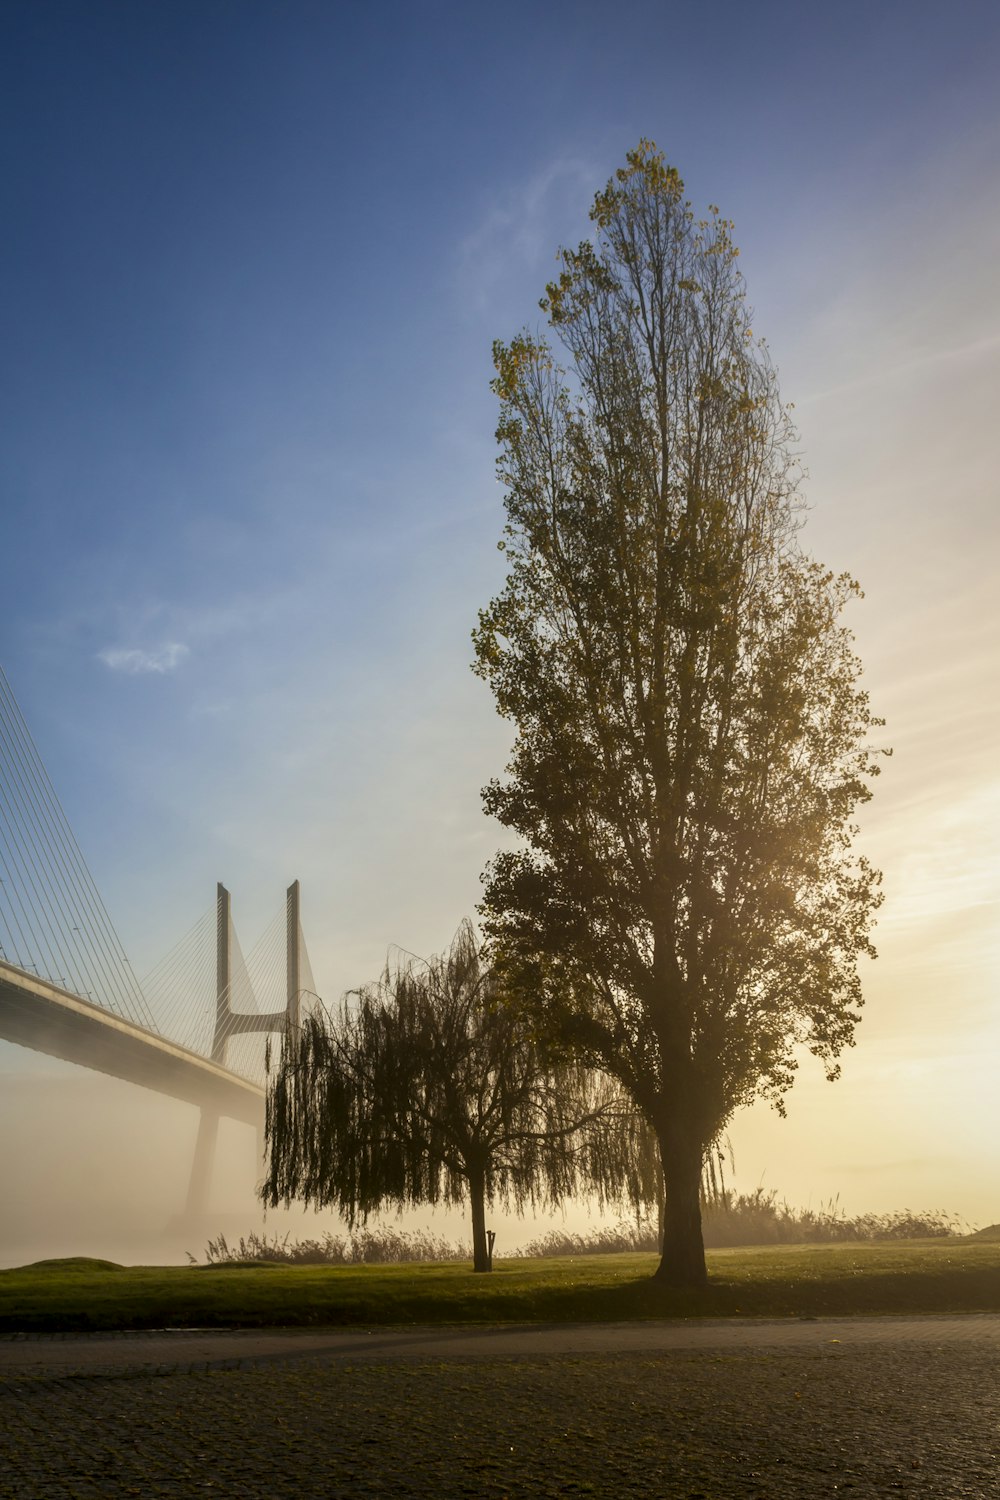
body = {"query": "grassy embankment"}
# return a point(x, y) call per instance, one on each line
point(934, 1276)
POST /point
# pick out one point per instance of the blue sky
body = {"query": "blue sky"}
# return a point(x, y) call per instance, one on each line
point(254, 260)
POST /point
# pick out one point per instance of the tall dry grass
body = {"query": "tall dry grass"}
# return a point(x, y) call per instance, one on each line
point(731, 1220)
point(757, 1218)
point(383, 1246)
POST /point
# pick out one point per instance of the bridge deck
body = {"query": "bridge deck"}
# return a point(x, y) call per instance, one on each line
point(38, 1014)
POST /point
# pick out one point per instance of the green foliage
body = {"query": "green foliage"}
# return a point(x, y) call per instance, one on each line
point(424, 1089)
point(691, 739)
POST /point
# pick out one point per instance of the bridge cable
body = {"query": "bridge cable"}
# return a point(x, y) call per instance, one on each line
point(66, 876)
point(38, 886)
point(23, 880)
point(180, 987)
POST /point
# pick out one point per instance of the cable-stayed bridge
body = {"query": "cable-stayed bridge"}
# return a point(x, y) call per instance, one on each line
point(194, 1028)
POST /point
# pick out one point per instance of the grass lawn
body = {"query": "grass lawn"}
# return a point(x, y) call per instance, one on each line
point(927, 1276)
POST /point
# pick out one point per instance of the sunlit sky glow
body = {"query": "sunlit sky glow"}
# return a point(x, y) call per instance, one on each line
point(254, 261)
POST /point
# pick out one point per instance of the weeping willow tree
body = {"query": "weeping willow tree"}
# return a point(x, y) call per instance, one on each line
point(424, 1088)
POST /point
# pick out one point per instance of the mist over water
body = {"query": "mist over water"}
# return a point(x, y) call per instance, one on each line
point(99, 1167)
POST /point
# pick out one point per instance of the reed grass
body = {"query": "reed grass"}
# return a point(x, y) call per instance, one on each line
point(730, 1220)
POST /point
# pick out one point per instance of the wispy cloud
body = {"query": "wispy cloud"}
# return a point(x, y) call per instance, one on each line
point(517, 231)
point(922, 359)
point(136, 662)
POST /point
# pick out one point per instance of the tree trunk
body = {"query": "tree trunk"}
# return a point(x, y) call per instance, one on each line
point(481, 1258)
point(682, 1260)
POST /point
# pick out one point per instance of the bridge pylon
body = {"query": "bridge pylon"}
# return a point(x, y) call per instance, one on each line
point(230, 1023)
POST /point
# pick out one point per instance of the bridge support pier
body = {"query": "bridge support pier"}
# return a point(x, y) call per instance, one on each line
point(201, 1166)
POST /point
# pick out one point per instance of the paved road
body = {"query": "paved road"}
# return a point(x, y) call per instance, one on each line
point(765, 1410)
point(188, 1349)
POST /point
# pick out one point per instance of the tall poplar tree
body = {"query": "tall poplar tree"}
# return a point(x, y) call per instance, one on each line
point(692, 740)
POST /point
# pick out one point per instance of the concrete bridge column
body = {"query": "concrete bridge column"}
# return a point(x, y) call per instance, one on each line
point(227, 1022)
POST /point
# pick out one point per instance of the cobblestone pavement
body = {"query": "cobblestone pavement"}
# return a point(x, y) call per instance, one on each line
point(867, 1407)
